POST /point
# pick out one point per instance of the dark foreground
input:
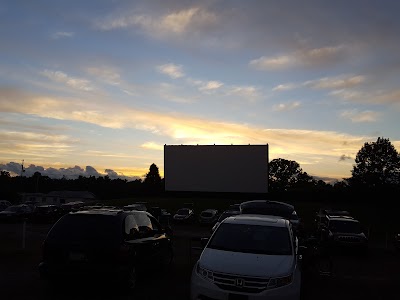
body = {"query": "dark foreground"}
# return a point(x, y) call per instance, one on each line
point(374, 276)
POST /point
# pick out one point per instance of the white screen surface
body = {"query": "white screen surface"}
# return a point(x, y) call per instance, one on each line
point(216, 168)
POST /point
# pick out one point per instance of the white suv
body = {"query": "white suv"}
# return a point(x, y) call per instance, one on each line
point(248, 257)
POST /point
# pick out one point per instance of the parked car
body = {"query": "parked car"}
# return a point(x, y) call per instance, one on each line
point(184, 215)
point(4, 204)
point(338, 232)
point(209, 216)
point(323, 212)
point(248, 257)
point(274, 208)
point(46, 214)
point(223, 216)
point(136, 206)
point(15, 213)
point(72, 206)
point(235, 207)
point(110, 244)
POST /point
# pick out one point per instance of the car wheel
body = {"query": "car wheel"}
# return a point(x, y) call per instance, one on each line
point(131, 278)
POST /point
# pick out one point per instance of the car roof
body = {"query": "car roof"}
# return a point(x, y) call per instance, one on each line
point(343, 218)
point(254, 219)
point(210, 210)
point(267, 202)
point(98, 211)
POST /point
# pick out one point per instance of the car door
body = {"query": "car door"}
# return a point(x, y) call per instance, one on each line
point(162, 241)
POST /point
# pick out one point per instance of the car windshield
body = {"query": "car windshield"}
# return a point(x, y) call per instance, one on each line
point(234, 207)
point(206, 214)
point(224, 215)
point(41, 209)
point(345, 226)
point(183, 211)
point(255, 239)
point(86, 229)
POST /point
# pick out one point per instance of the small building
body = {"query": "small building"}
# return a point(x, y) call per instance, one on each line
point(58, 197)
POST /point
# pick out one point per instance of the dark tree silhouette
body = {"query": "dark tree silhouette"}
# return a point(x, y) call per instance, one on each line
point(153, 182)
point(284, 174)
point(377, 166)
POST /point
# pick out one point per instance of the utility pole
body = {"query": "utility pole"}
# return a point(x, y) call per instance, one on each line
point(22, 168)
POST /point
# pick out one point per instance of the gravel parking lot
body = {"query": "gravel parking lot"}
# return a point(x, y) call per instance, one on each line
point(375, 276)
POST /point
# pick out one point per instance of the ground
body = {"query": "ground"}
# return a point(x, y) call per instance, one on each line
point(374, 276)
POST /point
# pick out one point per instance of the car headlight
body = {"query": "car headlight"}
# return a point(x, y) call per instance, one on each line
point(206, 274)
point(280, 281)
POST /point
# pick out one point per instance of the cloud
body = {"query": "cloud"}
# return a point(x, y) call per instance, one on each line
point(57, 173)
point(389, 96)
point(75, 83)
point(298, 145)
point(305, 58)
point(211, 85)
point(361, 117)
point(172, 70)
point(334, 83)
point(152, 146)
point(175, 23)
point(287, 106)
point(272, 63)
point(62, 34)
point(250, 92)
point(284, 87)
point(108, 75)
point(344, 157)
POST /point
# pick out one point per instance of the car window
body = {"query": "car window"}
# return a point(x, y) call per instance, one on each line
point(345, 226)
point(131, 228)
point(155, 225)
point(255, 239)
point(144, 223)
point(86, 229)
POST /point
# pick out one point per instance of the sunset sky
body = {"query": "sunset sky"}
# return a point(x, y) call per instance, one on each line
point(98, 87)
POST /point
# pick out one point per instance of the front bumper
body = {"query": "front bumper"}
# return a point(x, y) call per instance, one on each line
point(202, 289)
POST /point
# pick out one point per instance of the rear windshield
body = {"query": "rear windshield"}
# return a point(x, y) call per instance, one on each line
point(183, 211)
point(43, 209)
point(206, 214)
point(255, 239)
point(266, 210)
point(86, 228)
point(344, 226)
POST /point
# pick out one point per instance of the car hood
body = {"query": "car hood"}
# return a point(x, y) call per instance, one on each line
point(248, 264)
point(7, 213)
point(176, 216)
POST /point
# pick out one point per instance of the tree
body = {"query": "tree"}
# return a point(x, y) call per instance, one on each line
point(377, 166)
point(153, 179)
point(284, 174)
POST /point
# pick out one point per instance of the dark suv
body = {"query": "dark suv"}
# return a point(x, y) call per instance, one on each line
point(273, 208)
point(109, 244)
point(339, 231)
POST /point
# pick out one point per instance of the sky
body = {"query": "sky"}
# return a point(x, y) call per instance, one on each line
point(99, 87)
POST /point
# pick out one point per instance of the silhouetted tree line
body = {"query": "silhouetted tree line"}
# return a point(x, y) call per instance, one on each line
point(375, 176)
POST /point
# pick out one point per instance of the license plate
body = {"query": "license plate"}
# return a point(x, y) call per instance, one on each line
point(237, 297)
point(77, 256)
